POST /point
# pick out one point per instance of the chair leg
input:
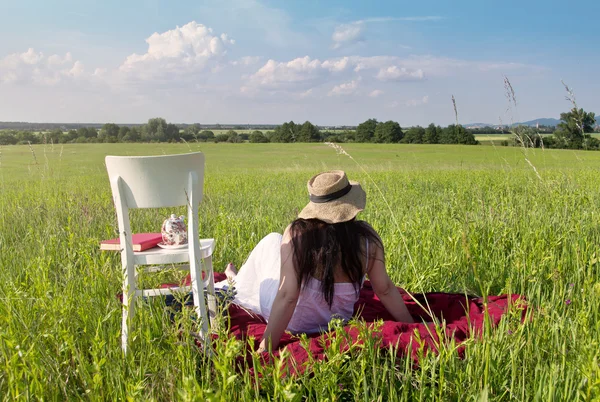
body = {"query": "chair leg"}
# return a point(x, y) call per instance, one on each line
point(209, 281)
point(129, 288)
point(198, 294)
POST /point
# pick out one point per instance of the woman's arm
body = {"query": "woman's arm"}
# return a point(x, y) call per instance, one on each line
point(385, 289)
point(286, 299)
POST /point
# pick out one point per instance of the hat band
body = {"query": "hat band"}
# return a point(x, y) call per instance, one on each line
point(319, 199)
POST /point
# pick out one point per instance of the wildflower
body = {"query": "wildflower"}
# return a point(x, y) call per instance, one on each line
point(571, 285)
point(568, 301)
point(509, 332)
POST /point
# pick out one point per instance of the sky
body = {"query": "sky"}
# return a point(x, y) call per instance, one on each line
point(265, 62)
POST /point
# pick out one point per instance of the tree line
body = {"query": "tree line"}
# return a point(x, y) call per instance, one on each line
point(572, 132)
point(158, 130)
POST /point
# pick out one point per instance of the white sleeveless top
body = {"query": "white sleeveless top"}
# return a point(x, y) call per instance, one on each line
point(257, 284)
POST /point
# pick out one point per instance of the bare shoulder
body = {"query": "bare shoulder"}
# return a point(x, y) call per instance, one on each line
point(287, 233)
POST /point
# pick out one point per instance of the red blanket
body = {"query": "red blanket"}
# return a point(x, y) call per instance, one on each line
point(461, 314)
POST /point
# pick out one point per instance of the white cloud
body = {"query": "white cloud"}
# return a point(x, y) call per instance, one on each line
point(99, 72)
point(336, 64)
point(78, 70)
point(347, 88)
point(277, 74)
point(375, 93)
point(34, 67)
point(345, 34)
point(246, 61)
point(185, 49)
point(372, 62)
point(303, 73)
point(395, 73)
point(417, 102)
point(353, 32)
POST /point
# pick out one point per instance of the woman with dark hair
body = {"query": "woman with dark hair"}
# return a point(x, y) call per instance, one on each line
point(314, 272)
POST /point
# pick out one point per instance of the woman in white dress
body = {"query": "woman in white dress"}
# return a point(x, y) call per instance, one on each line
point(314, 272)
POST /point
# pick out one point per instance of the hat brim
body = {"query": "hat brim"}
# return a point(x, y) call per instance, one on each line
point(342, 209)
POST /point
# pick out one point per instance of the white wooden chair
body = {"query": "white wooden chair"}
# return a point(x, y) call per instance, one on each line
point(154, 182)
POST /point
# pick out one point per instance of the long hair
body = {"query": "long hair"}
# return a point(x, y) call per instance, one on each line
point(319, 248)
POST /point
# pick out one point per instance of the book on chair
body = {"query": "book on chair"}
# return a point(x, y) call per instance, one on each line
point(140, 242)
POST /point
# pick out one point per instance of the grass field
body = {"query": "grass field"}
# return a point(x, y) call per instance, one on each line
point(496, 139)
point(480, 220)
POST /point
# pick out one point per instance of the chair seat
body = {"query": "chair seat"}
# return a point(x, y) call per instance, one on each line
point(159, 255)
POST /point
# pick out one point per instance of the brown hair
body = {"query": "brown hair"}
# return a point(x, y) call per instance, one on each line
point(319, 248)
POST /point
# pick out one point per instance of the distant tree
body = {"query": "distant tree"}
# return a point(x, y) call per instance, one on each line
point(123, 133)
point(525, 136)
point(206, 135)
point(465, 137)
point(87, 132)
point(127, 134)
point(53, 136)
point(432, 134)
point(221, 137)
point(233, 136)
point(8, 138)
point(308, 133)
point(457, 134)
point(574, 127)
point(69, 136)
point(365, 132)
point(258, 137)
point(172, 133)
point(109, 133)
point(287, 132)
point(270, 135)
point(550, 142)
point(155, 130)
point(388, 132)
point(414, 135)
point(161, 133)
point(347, 136)
point(448, 135)
point(191, 132)
point(24, 137)
point(590, 142)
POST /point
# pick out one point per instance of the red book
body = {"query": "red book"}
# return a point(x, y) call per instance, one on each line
point(141, 242)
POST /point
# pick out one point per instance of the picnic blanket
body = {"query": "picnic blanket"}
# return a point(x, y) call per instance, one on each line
point(461, 314)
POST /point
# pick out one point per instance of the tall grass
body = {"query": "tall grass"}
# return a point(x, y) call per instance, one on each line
point(476, 221)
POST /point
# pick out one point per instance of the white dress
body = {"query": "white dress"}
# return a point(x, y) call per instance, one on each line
point(258, 281)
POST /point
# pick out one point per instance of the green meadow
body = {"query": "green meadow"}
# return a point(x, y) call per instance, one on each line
point(477, 220)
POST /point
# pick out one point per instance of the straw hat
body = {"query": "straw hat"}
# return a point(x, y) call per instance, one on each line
point(333, 198)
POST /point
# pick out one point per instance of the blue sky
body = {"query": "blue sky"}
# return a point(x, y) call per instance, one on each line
point(330, 62)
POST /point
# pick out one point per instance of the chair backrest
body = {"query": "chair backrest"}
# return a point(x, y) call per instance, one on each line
point(156, 181)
